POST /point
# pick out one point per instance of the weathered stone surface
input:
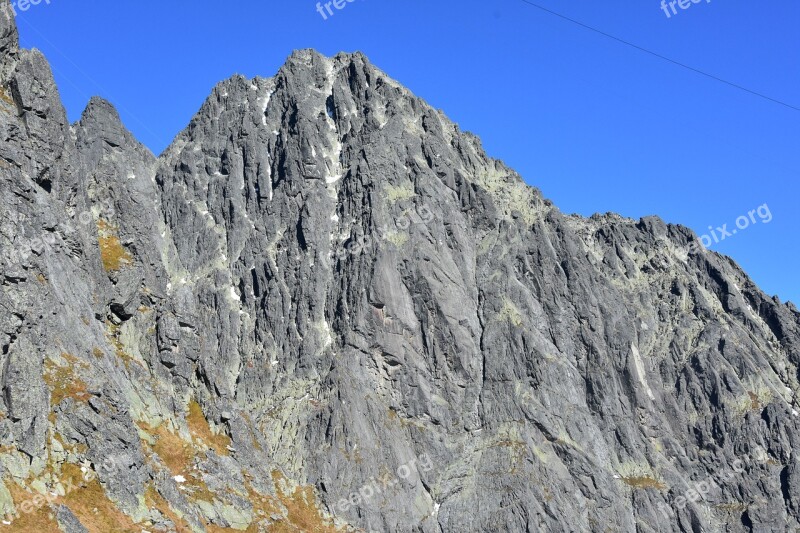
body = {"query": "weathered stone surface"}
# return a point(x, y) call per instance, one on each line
point(325, 299)
point(9, 40)
point(68, 522)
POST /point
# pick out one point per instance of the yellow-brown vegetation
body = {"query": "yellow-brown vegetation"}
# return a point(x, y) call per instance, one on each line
point(173, 451)
point(755, 403)
point(301, 506)
point(200, 430)
point(4, 96)
point(112, 253)
point(113, 335)
point(298, 504)
point(154, 500)
point(62, 381)
point(179, 456)
point(644, 482)
point(90, 504)
point(84, 496)
point(34, 514)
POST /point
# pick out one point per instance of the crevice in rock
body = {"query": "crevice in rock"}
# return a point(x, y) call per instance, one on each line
point(747, 521)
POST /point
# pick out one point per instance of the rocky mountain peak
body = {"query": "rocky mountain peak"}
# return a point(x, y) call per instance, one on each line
point(325, 308)
point(101, 113)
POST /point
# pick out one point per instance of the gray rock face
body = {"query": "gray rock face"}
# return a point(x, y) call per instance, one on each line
point(324, 306)
point(9, 40)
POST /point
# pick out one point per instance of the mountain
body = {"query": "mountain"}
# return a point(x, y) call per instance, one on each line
point(324, 308)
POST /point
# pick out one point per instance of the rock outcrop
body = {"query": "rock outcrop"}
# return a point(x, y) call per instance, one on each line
point(324, 307)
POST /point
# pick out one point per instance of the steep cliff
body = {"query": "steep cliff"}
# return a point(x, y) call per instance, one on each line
point(325, 307)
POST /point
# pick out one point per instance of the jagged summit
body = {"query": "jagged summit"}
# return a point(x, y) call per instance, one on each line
point(9, 38)
point(101, 110)
point(100, 120)
point(324, 307)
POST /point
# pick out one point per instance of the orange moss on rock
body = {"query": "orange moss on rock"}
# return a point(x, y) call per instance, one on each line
point(175, 452)
point(179, 457)
point(62, 381)
point(4, 96)
point(112, 253)
point(201, 430)
point(90, 504)
point(33, 512)
point(302, 514)
point(644, 482)
point(85, 497)
point(154, 500)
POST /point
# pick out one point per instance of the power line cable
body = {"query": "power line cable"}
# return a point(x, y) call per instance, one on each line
point(156, 136)
point(656, 54)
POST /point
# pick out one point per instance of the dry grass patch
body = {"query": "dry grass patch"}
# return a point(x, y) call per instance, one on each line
point(90, 504)
point(85, 498)
point(62, 381)
point(515, 444)
point(263, 507)
point(113, 254)
point(755, 405)
point(644, 482)
point(753, 400)
point(298, 505)
point(154, 500)
point(175, 452)
point(179, 457)
point(302, 514)
point(734, 507)
point(34, 515)
point(201, 430)
point(4, 96)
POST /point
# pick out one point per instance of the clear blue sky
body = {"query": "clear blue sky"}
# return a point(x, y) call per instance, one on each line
point(597, 125)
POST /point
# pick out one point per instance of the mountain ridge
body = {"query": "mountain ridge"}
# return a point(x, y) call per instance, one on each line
point(322, 282)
